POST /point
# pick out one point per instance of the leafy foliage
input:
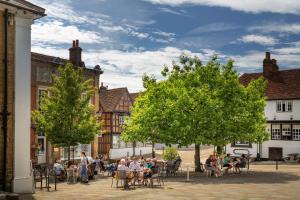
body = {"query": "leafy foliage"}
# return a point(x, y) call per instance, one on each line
point(200, 104)
point(65, 115)
point(171, 153)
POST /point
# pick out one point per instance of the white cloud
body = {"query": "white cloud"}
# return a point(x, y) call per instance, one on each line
point(171, 11)
point(284, 28)
point(125, 69)
point(165, 34)
point(259, 39)
point(253, 6)
point(213, 27)
point(56, 32)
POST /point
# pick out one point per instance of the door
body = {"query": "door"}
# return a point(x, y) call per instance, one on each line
point(275, 153)
point(41, 149)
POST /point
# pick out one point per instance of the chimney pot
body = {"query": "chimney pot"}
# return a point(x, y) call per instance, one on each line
point(101, 84)
point(268, 55)
point(77, 43)
point(274, 61)
point(73, 44)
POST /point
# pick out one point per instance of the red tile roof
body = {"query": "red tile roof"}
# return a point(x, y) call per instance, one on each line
point(286, 85)
point(58, 61)
point(133, 96)
point(109, 99)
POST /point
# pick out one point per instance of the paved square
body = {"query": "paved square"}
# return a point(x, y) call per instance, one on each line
point(262, 182)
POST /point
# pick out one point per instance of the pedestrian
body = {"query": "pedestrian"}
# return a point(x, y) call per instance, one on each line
point(84, 164)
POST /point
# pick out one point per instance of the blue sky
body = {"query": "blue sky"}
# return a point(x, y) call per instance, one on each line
point(128, 38)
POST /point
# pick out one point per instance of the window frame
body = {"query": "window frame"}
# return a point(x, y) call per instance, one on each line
point(283, 106)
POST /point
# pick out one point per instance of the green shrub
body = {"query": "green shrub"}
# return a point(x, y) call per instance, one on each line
point(170, 154)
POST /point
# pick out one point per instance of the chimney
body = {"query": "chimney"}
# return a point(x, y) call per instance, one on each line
point(270, 66)
point(75, 54)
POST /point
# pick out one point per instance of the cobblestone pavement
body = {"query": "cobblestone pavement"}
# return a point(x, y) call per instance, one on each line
point(262, 182)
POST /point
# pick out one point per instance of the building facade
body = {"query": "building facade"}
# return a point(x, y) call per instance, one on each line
point(43, 67)
point(282, 112)
point(115, 105)
point(16, 17)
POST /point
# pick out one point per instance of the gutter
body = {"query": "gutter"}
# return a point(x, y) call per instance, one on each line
point(5, 112)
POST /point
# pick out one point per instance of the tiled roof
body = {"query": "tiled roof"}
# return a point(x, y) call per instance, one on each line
point(133, 96)
point(110, 98)
point(286, 85)
point(57, 61)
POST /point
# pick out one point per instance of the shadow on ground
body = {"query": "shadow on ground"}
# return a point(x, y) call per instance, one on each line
point(243, 178)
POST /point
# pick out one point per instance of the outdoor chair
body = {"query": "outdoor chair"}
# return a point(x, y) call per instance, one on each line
point(208, 170)
point(157, 175)
point(173, 168)
point(120, 176)
point(71, 175)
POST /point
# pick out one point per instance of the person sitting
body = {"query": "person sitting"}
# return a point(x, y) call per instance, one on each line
point(148, 168)
point(122, 166)
point(227, 162)
point(241, 163)
point(134, 165)
point(59, 170)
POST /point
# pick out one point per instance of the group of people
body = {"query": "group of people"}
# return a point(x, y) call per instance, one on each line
point(85, 169)
point(216, 164)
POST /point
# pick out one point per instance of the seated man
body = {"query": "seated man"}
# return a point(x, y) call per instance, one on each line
point(59, 169)
point(134, 165)
point(148, 168)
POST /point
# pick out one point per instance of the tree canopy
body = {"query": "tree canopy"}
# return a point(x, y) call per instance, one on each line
point(198, 104)
point(65, 114)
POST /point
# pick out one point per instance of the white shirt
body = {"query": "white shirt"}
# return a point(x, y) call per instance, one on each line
point(123, 168)
point(134, 166)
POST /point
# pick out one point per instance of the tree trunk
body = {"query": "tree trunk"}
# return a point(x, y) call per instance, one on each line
point(73, 153)
point(197, 158)
point(69, 153)
point(153, 152)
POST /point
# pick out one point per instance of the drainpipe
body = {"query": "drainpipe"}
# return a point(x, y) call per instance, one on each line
point(5, 112)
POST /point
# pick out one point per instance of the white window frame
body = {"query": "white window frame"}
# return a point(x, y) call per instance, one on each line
point(87, 148)
point(286, 130)
point(40, 88)
point(287, 105)
point(121, 119)
point(296, 131)
point(276, 132)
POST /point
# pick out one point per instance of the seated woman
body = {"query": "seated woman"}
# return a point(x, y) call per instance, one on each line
point(227, 162)
point(148, 168)
point(241, 163)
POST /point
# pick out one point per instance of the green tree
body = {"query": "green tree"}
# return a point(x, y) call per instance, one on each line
point(198, 104)
point(65, 114)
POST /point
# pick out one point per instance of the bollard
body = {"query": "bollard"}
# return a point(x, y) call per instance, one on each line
point(188, 174)
point(276, 164)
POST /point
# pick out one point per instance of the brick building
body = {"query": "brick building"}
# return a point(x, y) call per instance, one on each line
point(16, 17)
point(43, 66)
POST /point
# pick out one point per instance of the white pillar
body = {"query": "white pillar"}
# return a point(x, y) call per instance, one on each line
point(22, 182)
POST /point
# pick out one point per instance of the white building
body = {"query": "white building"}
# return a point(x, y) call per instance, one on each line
point(282, 112)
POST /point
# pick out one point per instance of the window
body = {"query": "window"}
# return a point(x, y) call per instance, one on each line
point(296, 132)
point(44, 74)
point(242, 144)
point(284, 106)
point(121, 119)
point(286, 132)
point(276, 132)
point(41, 93)
point(75, 151)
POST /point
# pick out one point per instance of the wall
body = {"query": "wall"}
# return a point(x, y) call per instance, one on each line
point(122, 152)
point(10, 136)
point(270, 111)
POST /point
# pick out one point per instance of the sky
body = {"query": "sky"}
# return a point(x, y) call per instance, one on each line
point(129, 38)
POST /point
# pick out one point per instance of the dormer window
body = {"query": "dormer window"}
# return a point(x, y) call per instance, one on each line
point(284, 106)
